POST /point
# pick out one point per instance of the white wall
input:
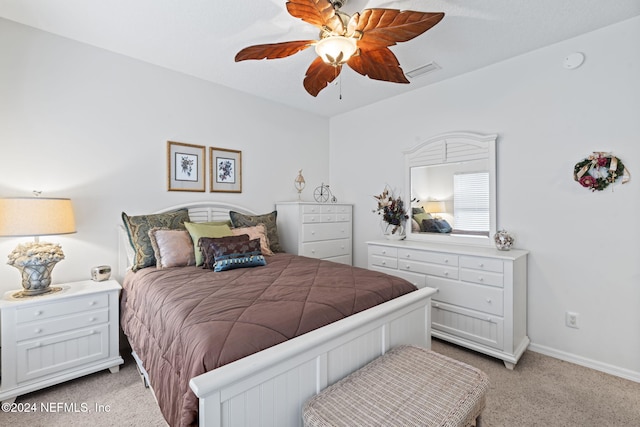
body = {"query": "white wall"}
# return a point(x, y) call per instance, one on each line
point(584, 247)
point(85, 123)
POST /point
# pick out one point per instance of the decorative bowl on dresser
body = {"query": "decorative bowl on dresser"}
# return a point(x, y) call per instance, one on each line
point(316, 230)
point(59, 336)
point(481, 299)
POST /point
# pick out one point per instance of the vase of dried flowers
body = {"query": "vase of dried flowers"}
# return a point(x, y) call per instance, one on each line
point(36, 261)
point(394, 215)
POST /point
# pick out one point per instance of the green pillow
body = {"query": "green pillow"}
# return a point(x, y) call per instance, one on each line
point(421, 216)
point(138, 230)
point(206, 229)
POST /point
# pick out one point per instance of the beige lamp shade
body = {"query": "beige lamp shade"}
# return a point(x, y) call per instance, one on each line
point(434, 207)
point(36, 216)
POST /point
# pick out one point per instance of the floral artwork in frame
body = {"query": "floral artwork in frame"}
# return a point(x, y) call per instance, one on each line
point(185, 167)
point(225, 170)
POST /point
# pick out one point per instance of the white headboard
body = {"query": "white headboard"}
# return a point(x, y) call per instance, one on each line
point(198, 212)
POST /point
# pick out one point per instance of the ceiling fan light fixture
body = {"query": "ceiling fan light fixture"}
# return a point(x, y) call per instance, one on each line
point(336, 50)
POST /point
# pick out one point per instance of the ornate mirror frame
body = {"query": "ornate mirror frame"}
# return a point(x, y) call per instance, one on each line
point(449, 149)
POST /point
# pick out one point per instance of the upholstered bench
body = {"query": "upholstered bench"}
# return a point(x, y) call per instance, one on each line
point(408, 386)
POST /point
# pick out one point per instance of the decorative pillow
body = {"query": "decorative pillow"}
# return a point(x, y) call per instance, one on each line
point(208, 251)
point(415, 227)
point(257, 232)
point(417, 210)
point(138, 230)
point(436, 226)
point(269, 221)
point(237, 255)
point(204, 229)
point(172, 248)
point(421, 217)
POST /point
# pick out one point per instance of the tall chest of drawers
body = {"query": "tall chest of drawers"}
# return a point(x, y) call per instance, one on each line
point(481, 299)
point(53, 338)
point(316, 230)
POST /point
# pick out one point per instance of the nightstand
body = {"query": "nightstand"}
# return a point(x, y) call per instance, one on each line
point(57, 337)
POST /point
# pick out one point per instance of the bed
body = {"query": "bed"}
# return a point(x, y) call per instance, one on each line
point(267, 383)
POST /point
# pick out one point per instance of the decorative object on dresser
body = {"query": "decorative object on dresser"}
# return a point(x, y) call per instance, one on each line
point(504, 240)
point(481, 299)
point(599, 170)
point(394, 214)
point(322, 194)
point(299, 183)
point(185, 167)
point(101, 273)
point(58, 336)
point(316, 230)
point(226, 170)
point(36, 216)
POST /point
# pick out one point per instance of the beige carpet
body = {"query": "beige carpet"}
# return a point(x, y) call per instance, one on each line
point(541, 391)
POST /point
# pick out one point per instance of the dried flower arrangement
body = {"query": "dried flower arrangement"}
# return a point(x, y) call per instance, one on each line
point(392, 209)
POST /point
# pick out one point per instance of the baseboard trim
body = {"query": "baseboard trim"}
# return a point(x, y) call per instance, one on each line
point(589, 363)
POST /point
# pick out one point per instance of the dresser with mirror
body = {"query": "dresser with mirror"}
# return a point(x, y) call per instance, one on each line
point(481, 301)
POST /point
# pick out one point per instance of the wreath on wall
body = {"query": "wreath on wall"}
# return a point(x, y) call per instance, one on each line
point(599, 170)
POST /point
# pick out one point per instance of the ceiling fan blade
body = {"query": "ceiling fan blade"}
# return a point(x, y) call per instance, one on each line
point(386, 27)
point(378, 64)
point(316, 12)
point(319, 75)
point(273, 50)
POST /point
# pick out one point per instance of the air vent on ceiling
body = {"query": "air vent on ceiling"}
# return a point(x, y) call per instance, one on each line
point(421, 71)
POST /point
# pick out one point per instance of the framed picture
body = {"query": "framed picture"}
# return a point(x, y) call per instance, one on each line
point(185, 167)
point(225, 170)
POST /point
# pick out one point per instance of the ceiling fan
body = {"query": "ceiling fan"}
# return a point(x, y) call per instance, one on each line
point(361, 41)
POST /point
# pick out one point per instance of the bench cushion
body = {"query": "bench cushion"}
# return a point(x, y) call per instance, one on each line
point(408, 386)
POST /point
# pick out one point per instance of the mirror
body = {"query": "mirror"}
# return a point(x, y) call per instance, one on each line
point(451, 182)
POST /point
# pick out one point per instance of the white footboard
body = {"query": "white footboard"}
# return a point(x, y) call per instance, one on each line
point(269, 388)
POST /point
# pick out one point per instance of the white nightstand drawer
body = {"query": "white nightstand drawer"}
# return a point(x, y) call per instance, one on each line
point(430, 269)
point(384, 261)
point(476, 297)
point(325, 249)
point(479, 263)
point(325, 231)
point(383, 251)
point(481, 277)
point(311, 209)
point(57, 353)
point(66, 323)
point(432, 257)
point(53, 309)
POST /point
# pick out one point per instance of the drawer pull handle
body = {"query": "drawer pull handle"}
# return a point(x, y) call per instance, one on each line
point(92, 319)
point(37, 313)
point(446, 261)
point(384, 252)
point(37, 331)
point(481, 265)
point(384, 262)
point(93, 303)
point(313, 233)
point(481, 279)
point(408, 255)
point(91, 332)
point(489, 300)
point(408, 267)
point(313, 251)
point(446, 273)
point(437, 305)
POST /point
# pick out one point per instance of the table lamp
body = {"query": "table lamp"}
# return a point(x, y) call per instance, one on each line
point(434, 207)
point(35, 216)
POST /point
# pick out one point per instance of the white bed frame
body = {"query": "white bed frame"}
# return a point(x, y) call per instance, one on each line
point(269, 388)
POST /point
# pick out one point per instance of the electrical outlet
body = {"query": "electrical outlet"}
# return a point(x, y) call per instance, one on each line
point(571, 319)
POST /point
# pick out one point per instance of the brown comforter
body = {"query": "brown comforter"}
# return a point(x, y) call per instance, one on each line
point(185, 321)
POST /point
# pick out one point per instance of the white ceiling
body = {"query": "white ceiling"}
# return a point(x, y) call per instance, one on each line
point(201, 38)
